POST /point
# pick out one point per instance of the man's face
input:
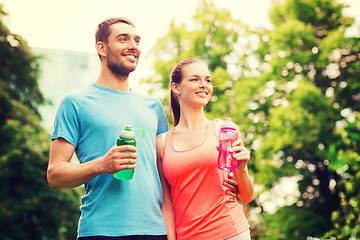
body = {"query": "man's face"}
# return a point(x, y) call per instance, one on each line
point(122, 49)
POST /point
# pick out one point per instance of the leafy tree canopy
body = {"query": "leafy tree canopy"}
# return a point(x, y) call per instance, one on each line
point(29, 209)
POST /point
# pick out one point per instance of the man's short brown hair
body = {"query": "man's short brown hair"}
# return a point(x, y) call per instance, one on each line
point(103, 32)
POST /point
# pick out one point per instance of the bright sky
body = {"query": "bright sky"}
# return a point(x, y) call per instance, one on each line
point(71, 24)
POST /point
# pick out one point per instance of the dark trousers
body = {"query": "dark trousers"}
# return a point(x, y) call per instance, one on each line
point(135, 237)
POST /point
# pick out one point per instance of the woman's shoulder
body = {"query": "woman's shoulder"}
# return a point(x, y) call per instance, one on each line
point(163, 136)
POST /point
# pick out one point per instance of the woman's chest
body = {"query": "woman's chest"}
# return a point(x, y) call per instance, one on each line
point(185, 164)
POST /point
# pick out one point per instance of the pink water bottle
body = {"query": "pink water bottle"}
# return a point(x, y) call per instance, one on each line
point(228, 135)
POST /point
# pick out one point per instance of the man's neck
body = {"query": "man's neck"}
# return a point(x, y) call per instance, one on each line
point(109, 80)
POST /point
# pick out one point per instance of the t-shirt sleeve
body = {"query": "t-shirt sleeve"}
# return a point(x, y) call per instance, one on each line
point(66, 124)
point(162, 121)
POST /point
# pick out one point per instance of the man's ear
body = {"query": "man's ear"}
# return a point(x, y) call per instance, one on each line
point(101, 49)
point(175, 88)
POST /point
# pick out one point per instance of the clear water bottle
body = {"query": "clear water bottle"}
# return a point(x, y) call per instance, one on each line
point(126, 137)
point(227, 136)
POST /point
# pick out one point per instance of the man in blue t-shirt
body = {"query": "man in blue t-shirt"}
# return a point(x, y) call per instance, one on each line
point(88, 122)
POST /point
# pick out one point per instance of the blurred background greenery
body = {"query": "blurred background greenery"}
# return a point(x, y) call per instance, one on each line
point(293, 90)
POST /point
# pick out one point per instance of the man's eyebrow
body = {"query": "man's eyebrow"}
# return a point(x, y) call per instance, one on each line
point(122, 35)
point(127, 35)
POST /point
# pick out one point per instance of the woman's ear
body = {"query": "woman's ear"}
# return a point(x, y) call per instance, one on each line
point(175, 88)
point(101, 49)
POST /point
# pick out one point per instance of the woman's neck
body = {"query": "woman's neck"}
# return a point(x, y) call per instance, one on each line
point(191, 119)
point(191, 130)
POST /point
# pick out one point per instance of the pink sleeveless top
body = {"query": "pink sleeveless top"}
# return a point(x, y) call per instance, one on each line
point(203, 210)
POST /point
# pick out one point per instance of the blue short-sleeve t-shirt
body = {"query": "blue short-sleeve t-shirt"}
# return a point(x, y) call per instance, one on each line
point(91, 119)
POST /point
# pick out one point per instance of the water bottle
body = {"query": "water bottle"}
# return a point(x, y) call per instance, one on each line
point(126, 137)
point(227, 136)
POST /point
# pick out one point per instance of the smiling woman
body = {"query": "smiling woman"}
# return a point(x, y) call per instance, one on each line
point(195, 89)
point(203, 207)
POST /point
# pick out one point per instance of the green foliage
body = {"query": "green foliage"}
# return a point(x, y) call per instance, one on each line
point(209, 42)
point(292, 222)
point(298, 121)
point(323, 15)
point(292, 35)
point(345, 160)
point(316, 58)
point(29, 209)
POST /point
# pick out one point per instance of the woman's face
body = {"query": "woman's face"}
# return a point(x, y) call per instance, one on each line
point(195, 88)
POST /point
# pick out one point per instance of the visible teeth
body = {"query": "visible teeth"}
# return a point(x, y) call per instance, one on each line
point(131, 56)
point(202, 94)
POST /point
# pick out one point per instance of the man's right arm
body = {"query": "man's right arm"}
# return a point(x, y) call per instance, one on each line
point(62, 173)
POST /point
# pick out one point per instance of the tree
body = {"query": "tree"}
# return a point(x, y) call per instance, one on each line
point(29, 209)
point(312, 82)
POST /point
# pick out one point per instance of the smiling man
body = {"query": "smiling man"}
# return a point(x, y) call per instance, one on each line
point(88, 122)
